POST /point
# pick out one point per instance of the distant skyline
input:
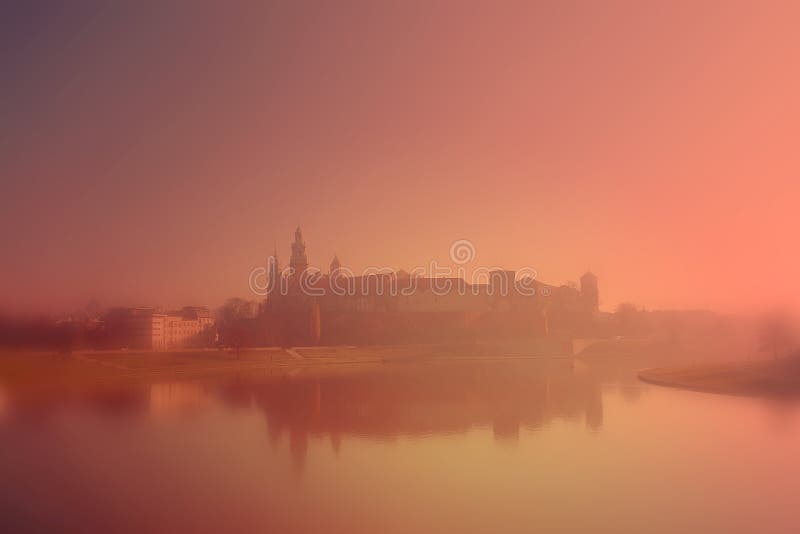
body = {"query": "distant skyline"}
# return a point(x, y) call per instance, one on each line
point(155, 153)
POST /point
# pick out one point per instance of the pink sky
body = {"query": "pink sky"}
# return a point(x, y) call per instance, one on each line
point(152, 155)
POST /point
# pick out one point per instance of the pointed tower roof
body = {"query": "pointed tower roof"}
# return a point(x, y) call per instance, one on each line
point(298, 260)
point(335, 263)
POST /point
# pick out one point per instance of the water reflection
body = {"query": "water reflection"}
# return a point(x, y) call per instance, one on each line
point(383, 403)
point(416, 401)
point(175, 398)
point(471, 447)
point(379, 403)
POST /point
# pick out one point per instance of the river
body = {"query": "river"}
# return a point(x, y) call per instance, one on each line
point(463, 446)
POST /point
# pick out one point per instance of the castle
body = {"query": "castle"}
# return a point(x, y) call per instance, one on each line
point(307, 307)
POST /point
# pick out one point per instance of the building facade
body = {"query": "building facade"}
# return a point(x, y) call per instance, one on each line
point(150, 329)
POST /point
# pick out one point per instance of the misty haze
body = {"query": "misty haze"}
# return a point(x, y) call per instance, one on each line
point(444, 266)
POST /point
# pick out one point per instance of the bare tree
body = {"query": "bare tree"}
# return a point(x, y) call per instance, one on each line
point(775, 334)
point(234, 320)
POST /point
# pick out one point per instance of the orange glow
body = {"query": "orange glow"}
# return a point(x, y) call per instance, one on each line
point(154, 156)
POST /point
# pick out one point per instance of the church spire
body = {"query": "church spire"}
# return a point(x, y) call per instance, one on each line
point(335, 265)
point(299, 260)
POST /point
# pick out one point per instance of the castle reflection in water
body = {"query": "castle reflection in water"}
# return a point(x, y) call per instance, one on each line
point(440, 399)
point(379, 403)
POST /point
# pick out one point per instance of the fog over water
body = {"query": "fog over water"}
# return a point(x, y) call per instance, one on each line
point(470, 446)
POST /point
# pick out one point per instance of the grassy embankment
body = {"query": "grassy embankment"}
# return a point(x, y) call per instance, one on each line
point(773, 377)
point(43, 370)
point(51, 370)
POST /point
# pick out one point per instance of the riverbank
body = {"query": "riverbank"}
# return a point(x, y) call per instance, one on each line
point(760, 378)
point(50, 371)
point(44, 370)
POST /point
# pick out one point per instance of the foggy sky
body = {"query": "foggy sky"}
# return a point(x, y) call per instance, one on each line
point(152, 153)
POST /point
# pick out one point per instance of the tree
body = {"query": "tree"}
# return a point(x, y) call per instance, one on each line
point(235, 320)
point(775, 334)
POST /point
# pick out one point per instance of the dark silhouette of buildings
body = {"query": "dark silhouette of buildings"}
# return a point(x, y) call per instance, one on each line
point(308, 307)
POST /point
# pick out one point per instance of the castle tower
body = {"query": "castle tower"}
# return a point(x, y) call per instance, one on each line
point(335, 266)
point(298, 261)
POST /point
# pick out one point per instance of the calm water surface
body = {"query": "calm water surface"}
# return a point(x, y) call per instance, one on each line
point(460, 447)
